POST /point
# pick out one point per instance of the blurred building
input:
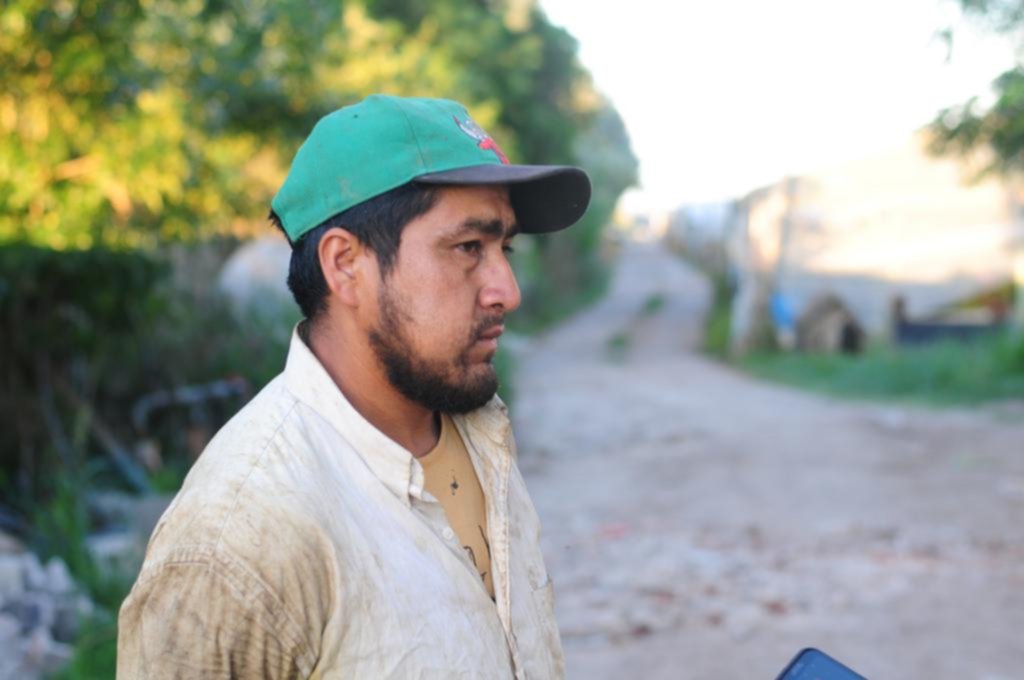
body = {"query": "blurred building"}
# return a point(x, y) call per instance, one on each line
point(901, 225)
point(701, 233)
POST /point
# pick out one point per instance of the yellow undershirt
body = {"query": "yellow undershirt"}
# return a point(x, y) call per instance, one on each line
point(451, 479)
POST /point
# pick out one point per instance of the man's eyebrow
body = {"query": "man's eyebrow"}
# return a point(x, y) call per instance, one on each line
point(492, 228)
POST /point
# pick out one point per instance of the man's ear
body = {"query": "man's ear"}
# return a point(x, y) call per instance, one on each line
point(343, 260)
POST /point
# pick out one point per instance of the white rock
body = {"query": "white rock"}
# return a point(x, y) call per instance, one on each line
point(58, 577)
point(65, 623)
point(10, 660)
point(9, 545)
point(84, 607)
point(9, 627)
point(33, 573)
point(255, 276)
point(116, 550)
point(33, 609)
point(11, 579)
point(43, 654)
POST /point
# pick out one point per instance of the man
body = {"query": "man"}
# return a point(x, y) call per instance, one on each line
point(363, 516)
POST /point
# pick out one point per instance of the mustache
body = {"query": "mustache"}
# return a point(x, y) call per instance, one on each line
point(485, 325)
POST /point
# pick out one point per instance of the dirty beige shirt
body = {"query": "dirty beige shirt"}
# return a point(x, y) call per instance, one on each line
point(451, 479)
point(303, 545)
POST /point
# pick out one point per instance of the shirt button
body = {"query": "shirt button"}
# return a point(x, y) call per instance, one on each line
point(448, 533)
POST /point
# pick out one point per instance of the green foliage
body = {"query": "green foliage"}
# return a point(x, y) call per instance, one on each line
point(117, 327)
point(1002, 16)
point(998, 128)
point(547, 297)
point(96, 303)
point(505, 366)
point(945, 373)
point(718, 324)
point(60, 529)
point(124, 123)
point(95, 652)
point(566, 271)
point(84, 291)
point(653, 304)
point(133, 123)
point(61, 525)
point(618, 345)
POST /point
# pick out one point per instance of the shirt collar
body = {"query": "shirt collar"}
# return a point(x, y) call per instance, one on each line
point(391, 463)
point(309, 382)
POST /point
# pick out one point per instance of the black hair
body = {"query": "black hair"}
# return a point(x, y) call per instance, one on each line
point(377, 223)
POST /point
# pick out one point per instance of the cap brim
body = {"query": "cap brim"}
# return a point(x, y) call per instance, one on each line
point(545, 198)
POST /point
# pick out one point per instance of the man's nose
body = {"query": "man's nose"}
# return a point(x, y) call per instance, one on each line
point(500, 291)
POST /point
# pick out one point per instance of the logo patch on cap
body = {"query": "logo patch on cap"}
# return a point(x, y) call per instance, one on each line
point(483, 140)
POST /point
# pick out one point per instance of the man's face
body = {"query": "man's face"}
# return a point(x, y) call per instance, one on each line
point(441, 308)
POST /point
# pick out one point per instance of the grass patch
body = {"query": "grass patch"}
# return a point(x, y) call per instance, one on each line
point(718, 324)
point(618, 345)
point(653, 304)
point(95, 652)
point(941, 374)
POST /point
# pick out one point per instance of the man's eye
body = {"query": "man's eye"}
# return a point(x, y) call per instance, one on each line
point(508, 249)
point(471, 247)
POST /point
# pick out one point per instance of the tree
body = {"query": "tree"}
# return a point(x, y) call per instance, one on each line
point(998, 128)
point(997, 131)
point(134, 121)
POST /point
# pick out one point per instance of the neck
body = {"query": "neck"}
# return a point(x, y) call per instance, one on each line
point(362, 379)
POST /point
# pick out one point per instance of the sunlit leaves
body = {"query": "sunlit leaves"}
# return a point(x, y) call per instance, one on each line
point(130, 122)
point(997, 129)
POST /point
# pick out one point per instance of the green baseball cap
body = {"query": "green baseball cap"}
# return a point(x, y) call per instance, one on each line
point(383, 142)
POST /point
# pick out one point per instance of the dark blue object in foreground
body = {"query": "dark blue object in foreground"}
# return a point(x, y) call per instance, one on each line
point(812, 664)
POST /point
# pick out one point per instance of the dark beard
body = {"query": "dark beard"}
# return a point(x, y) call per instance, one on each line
point(427, 383)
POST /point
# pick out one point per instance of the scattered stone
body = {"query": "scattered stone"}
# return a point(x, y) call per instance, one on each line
point(44, 654)
point(115, 511)
point(10, 660)
point(58, 577)
point(10, 627)
point(33, 574)
point(11, 579)
point(27, 611)
point(40, 611)
point(117, 551)
point(66, 624)
point(9, 545)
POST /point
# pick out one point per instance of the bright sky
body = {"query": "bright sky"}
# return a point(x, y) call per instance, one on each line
point(723, 97)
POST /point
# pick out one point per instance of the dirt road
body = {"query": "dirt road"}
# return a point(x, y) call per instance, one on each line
point(702, 524)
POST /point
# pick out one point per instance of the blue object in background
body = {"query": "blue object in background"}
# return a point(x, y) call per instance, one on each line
point(783, 312)
point(813, 664)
